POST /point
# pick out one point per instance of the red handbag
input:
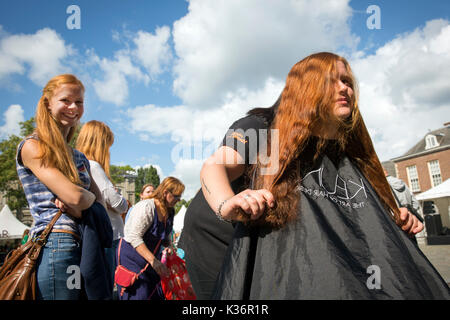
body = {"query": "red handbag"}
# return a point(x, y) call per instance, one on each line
point(177, 286)
point(124, 277)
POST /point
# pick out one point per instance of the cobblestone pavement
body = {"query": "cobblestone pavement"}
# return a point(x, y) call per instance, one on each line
point(439, 256)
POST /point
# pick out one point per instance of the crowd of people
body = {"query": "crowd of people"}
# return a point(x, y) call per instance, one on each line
point(303, 220)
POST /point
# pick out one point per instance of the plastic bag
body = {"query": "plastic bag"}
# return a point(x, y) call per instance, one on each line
point(177, 286)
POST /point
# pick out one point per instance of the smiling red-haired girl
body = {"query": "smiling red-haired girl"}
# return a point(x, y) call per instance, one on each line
point(56, 177)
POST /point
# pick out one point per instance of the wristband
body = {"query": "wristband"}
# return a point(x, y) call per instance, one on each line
point(219, 213)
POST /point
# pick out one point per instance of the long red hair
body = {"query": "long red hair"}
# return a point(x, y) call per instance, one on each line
point(54, 150)
point(305, 105)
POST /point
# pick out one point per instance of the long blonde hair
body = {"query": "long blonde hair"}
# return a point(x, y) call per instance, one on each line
point(94, 140)
point(54, 150)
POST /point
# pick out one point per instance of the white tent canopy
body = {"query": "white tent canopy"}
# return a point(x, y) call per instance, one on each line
point(440, 191)
point(178, 221)
point(10, 226)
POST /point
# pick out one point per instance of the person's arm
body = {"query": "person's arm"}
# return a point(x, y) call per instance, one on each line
point(216, 175)
point(157, 265)
point(114, 201)
point(73, 196)
point(96, 191)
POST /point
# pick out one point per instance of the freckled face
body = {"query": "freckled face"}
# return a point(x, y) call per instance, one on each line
point(343, 92)
point(66, 105)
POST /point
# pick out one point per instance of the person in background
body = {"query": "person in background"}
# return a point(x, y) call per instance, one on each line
point(25, 235)
point(146, 231)
point(404, 196)
point(146, 191)
point(95, 140)
point(56, 177)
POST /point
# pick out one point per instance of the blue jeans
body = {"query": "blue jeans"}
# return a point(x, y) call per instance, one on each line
point(58, 272)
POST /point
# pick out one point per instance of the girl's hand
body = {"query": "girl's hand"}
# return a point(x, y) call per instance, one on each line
point(160, 268)
point(251, 202)
point(411, 225)
point(60, 205)
point(66, 209)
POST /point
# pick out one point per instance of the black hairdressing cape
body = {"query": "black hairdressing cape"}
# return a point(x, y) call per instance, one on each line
point(344, 245)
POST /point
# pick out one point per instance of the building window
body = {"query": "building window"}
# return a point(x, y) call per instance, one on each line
point(435, 173)
point(430, 141)
point(413, 178)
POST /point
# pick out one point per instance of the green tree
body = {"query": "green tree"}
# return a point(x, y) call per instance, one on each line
point(27, 127)
point(144, 176)
point(117, 173)
point(181, 203)
point(9, 181)
point(73, 141)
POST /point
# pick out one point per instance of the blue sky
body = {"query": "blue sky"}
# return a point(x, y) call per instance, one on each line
point(171, 76)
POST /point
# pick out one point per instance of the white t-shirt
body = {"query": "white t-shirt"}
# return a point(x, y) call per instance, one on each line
point(115, 203)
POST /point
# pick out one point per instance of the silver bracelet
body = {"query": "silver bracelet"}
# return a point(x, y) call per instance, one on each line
point(219, 213)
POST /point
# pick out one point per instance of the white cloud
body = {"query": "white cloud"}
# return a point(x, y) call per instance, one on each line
point(197, 132)
point(40, 55)
point(188, 171)
point(405, 88)
point(143, 63)
point(225, 45)
point(114, 87)
point(189, 125)
point(153, 50)
point(13, 115)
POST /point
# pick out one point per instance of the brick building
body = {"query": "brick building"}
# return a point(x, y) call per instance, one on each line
point(426, 165)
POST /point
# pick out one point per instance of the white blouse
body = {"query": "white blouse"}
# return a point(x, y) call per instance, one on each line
point(115, 203)
point(140, 219)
